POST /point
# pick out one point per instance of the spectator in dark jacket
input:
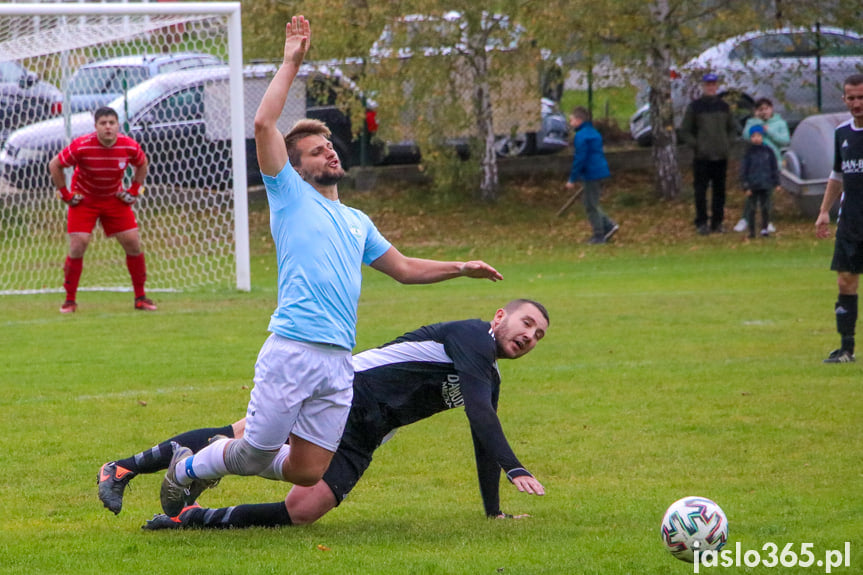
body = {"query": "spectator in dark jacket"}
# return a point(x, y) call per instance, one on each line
point(589, 164)
point(759, 175)
point(710, 129)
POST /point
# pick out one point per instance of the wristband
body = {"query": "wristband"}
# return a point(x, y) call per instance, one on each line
point(64, 194)
point(135, 188)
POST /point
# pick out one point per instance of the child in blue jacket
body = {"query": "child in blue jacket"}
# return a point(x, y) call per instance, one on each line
point(589, 164)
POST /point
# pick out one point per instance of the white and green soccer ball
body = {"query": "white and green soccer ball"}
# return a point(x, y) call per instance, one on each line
point(693, 524)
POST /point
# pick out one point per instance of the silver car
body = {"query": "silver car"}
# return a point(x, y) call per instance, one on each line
point(778, 64)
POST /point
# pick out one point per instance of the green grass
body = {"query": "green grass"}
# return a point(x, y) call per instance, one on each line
point(678, 368)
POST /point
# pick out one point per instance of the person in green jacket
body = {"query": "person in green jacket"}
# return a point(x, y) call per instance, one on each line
point(776, 137)
point(710, 129)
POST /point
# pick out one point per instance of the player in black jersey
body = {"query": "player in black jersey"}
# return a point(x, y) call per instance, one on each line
point(846, 179)
point(423, 372)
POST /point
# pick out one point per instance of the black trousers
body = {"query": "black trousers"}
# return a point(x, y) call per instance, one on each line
point(704, 174)
point(758, 199)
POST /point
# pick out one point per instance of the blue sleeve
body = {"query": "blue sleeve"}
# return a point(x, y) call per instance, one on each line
point(579, 159)
point(376, 244)
point(284, 187)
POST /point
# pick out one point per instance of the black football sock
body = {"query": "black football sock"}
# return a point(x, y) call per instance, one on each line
point(239, 516)
point(846, 320)
point(159, 457)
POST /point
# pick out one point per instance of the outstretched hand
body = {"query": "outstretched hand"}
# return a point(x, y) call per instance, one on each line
point(481, 270)
point(528, 484)
point(298, 36)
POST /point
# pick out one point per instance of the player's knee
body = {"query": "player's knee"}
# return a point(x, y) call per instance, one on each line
point(241, 458)
point(302, 514)
point(307, 505)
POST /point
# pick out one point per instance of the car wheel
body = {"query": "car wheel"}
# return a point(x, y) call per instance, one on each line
point(508, 146)
point(645, 140)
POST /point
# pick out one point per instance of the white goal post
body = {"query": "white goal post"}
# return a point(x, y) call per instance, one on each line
point(174, 73)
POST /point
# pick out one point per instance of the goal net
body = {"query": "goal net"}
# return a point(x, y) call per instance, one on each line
point(173, 73)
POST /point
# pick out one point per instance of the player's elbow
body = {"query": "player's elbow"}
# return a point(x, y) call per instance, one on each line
point(264, 124)
point(54, 165)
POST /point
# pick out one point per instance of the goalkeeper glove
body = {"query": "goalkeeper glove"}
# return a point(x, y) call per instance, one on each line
point(130, 196)
point(68, 197)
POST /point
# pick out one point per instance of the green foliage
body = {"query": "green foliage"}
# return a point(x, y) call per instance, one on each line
point(616, 104)
point(669, 369)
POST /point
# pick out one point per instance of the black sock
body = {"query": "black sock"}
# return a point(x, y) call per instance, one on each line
point(159, 457)
point(255, 515)
point(846, 320)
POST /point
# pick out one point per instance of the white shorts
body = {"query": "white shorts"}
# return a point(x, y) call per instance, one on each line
point(301, 388)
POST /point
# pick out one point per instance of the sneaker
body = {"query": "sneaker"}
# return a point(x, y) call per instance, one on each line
point(720, 229)
point(69, 306)
point(596, 240)
point(840, 356)
point(112, 481)
point(145, 304)
point(702, 230)
point(611, 232)
point(741, 225)
point(765, 233)
point(771, 228)
point(173, 496)
point(161, 521)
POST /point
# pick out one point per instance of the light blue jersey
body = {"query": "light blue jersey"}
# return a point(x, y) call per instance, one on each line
point(320, 246)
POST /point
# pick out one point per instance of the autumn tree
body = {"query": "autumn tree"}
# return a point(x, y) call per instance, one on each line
point(438, 79)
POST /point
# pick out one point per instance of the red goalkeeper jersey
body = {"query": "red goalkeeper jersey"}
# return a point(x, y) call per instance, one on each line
point(99, 169)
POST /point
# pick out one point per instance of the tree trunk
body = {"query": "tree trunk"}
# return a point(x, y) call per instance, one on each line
point(667, 180)
point(489, 182)
point(479, 64)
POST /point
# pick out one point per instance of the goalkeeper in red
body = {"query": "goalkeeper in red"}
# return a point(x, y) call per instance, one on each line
point(97, 194)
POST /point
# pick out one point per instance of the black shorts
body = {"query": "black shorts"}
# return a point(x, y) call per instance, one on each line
point(847, 256)
point(364, 432)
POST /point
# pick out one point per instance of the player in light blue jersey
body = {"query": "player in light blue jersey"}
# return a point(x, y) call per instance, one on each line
point(303, 375)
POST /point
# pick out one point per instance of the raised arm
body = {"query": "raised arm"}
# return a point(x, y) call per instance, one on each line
point(272, 155)
point(421, 271)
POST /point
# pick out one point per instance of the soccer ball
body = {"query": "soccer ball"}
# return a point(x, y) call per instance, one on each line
point(693, 524)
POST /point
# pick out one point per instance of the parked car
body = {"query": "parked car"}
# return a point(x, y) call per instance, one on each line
point(179, 120)
point(24, 98)
point(777, 64)
point(98, 83)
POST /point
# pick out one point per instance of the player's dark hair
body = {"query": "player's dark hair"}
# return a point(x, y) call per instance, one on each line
point(853, 80)
point(581, 113)
point(303, 129)
point(517, 303)
point(104, 111)
point(763, 101)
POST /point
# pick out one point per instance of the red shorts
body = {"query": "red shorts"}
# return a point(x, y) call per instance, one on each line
point(116, 216)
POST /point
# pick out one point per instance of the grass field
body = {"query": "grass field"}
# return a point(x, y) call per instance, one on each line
point(673, 366)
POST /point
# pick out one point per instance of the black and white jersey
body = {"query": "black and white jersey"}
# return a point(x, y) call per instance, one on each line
point(848, 159)
point(439, 367)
